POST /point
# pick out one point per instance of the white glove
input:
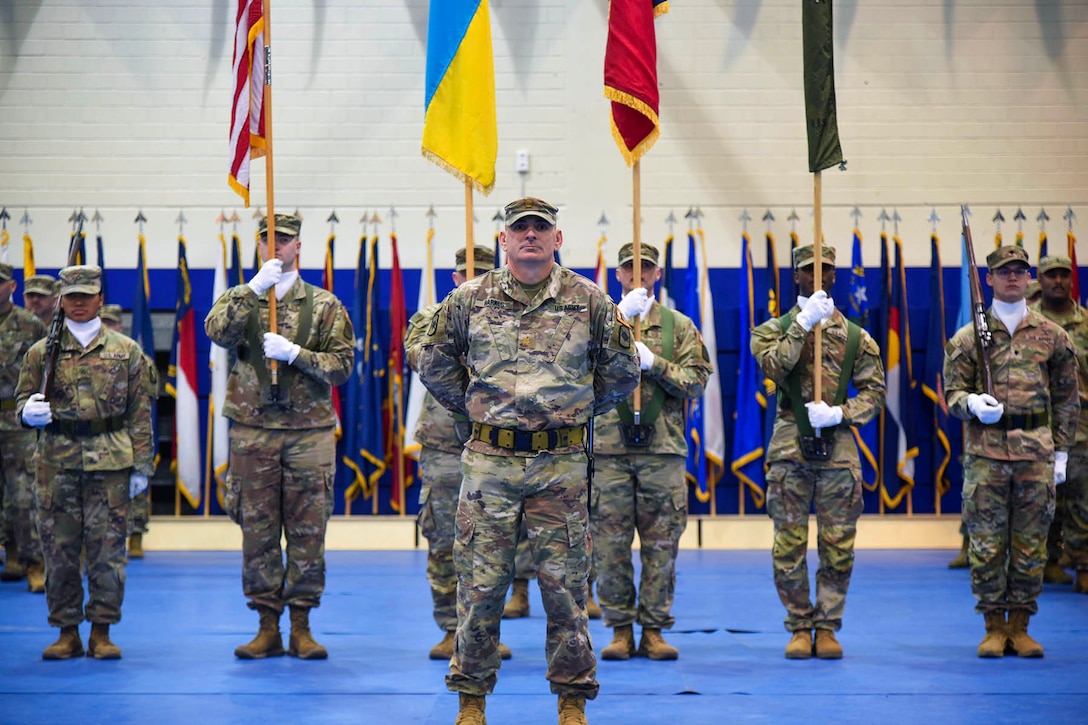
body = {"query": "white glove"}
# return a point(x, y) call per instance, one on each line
point(1061, 459)
point(278, 347)
point(645, 357)
point(822, 415)
point(636, 302)
point(137, 484)
point(36, 412)
point(985, 407)
point(267, 276)
point(818, 308)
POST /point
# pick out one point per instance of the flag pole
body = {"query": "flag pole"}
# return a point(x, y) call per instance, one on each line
point(817, 273)
point(269, 183)
point(636, 268)
point(470, 256)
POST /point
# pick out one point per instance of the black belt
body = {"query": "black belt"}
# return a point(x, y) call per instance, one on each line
point(1023, 421)
point(532, 442)
point(81, 428)
point(8, 404)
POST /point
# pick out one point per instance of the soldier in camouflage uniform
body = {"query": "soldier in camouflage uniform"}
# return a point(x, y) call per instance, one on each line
point(139, 510)
point(530, 353)
point(639, 483)
point(1071, 510)
point(94, 454)
point(283, 441)
point(442, 436)
point(1015, 449)
point(19, 330)
point(814, 462)
point(40, 296)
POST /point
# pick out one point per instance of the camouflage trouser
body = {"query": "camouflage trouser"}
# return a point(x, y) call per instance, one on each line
point(646, 493)
point(524, 567)
point(20, 517)
point(1008, 507)
point(283, 480)
point(835, 494)
point(440, 475)
point(497, 492)
point(139, 513)
point(1075, 490)
point(78, 510)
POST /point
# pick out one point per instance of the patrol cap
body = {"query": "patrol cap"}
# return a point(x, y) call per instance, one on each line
point(530, 206)
point(805, 256)
point(6, 271)
point(1032, 290)
point(648, 252)
point(1006, 254)
point(482, 258)
point(288, 224)
point(81, 279)
point(110, 313)
point(41, 284)
point(1055, 261)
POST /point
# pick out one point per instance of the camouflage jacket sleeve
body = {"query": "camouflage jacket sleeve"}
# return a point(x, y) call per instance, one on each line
point(416, 332)
point(225, 324)
point(778, 353)
point(685, 375)
point(440, 353)
point(329, 355)
point(138, 408)
point(19, 330)
point(616, 365)
point(1064, 395)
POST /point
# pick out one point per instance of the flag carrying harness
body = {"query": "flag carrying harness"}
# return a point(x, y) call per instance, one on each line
point(642, 435)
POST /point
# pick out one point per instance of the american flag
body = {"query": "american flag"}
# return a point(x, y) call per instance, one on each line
point(247, 133)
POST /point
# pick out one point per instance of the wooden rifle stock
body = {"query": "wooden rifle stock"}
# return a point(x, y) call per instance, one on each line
point(983, 336)
point(52, 341)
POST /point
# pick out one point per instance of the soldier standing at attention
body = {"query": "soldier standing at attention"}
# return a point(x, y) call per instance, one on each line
point(639, 483)
point(283, 440)
point(40, 296)
point(442, 436)
point(530, 353)
point(19, 330)
point(1015, 449)
point(812, 454)
point(94, 454)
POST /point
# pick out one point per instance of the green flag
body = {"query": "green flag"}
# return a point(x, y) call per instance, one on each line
point(823, 127)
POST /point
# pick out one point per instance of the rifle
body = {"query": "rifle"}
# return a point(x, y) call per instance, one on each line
point(52, 340)
point(983, 337)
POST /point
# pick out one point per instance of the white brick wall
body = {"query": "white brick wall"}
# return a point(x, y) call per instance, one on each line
point(123, 105)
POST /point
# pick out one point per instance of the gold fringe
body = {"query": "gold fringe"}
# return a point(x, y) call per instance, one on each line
point(450, 168)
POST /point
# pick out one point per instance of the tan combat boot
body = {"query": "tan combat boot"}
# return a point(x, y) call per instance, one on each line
point(301, 643)
point(35, 579)
point(654, 646)
point(268, 642)
point(444, 649)
point(471, 710)
point(99, 645)
point(622, 646)
point(1054, 574)
point(136, 546)
point(13, 571)
point(1081, 585)
point(997, 636)
point(800, 646)
point(518, 606)
point(1021, 642)
point(504, 652)
point(593, 610)
point(827, 647)
point(961, 561)
point(67, 646)
point(572, 710)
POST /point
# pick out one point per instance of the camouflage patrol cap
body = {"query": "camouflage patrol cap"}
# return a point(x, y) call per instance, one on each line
point(648, 253)
point(41, 284)
point(482, 259)
point(1006, 254)
point(83, 279)
point(1055, 261)
point(1033, 290)
point(110, 313)
point(288, 224)
point(6, 271)
point(805, 256)
point(530, 206)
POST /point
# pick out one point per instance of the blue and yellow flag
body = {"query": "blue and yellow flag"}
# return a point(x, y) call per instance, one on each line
point(747, 463)
point(460, 132)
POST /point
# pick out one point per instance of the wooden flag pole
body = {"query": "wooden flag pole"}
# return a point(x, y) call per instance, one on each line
point(818, 274)
point(636, 269)
point(470, 256)
point(269, 183)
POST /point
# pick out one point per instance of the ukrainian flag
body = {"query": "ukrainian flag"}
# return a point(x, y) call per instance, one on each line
point(460, 133)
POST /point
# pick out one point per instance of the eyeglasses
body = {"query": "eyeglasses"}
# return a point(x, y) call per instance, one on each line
point(1017, 271)
point(538, 225)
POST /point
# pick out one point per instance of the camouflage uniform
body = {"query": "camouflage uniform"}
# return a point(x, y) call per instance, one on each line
point(82, 481)
point(644, 488)
point(19, 330)
point(282, 456)
point(525, 363)
point(831, 487)
point(1008, 487)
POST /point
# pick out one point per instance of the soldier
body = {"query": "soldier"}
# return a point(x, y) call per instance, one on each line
point(1015, 449)
point(442, 436)
point(282, 442)
point(40, 296)
point(19, 330)
point(1071, 510)
point(813, 459)
point(139, 511)
point(94, 454)
point(530, 353)
point(639, 483)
